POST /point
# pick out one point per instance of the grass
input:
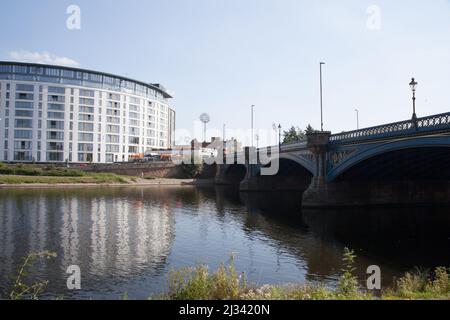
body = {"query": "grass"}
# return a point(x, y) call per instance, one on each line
point(30, 174)
point(97, 178)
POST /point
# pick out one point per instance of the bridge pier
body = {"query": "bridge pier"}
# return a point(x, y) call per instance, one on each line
point(317, 192)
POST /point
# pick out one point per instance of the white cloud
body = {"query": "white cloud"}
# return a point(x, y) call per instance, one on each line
point(41, 57)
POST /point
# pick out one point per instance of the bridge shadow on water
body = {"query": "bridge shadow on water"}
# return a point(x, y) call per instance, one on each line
point(400, 238)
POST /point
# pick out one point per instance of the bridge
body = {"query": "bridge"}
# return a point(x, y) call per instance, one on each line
point(406, 162)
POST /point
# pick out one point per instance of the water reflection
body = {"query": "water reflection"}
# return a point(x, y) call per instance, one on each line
point(114, 234)
point(127, 239)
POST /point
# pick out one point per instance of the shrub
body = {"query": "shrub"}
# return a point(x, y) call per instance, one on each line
point(348, 283)
point(24, 171)
point(199, 284)
point(57, 172)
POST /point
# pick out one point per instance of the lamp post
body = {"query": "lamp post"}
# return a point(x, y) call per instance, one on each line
point(357, 119)
point(253, 107)
point(413, 84)
point(321, 97)
point(279, 138)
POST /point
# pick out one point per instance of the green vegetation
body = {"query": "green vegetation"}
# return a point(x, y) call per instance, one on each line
point(20, 288)
point(29, 174)
point(295, 134)
point(97, 178)
point(225, 284)
point(191, 171)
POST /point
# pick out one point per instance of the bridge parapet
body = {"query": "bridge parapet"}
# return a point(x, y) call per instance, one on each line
point(402, 128)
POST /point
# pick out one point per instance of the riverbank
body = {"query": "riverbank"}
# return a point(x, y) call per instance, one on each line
point(92, 180)
point(226, 284)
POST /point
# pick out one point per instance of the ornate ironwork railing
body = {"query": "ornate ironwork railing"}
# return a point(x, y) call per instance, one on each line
point(434, 122)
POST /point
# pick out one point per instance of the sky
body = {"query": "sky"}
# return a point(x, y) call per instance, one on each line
point(222, 56)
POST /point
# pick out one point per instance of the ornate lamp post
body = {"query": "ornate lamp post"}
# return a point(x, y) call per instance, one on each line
point(413, 84)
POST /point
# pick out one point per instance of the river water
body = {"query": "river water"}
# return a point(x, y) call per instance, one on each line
point(126, 240)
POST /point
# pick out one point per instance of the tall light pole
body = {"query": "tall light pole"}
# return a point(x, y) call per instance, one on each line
point(413, 84)
point(224, 132)
point(357, 119)
point(253, 107)
point(279, 138)
point(321, 97)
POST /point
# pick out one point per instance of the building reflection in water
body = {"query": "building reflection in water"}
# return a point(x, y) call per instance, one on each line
point(124, 240)
point(108, 235)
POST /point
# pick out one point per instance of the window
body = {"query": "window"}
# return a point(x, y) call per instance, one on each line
point(24, 87)
point(24, 105)
point(23, 134)
point(85, 147)
point(113, 120)
point(134, 115)
point(89, 137)
point(55, 115)
point(112, 139)
point(55, 146)
point(85, 157)
point(133, 140)
point(24, 96)
point(55, 135)
point(23, 156)
point(55, 156)
point(23, 123)
point(59, 90)
point(22, 145)
point(54, 98)
point(86, 101)
point(58, 125)
point(86, 109)
point(24, 113)
point(112, 148)
point(84, 126)
point(85, 117)
point(112, 129)
point(56, 107)
point(87, 93)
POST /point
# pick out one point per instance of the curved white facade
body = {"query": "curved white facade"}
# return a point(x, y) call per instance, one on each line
point(58, 114)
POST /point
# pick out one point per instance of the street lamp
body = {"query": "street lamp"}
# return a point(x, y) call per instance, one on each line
point(279, 138)
point(253, 106)
point(413, 84)
point(321, 97)
point(357, 119)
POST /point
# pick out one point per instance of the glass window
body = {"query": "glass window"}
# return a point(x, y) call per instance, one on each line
point(25, 87)
point(60, 90)
point(53, 124)
point(55, 115)
point(23, 123)
point(24, 96)
point(24, 113)
point(55, 156)
point(23, 134)
point(24, 105)
point(55, 135)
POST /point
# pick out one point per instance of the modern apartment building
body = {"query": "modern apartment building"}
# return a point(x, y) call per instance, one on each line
point(61, 114)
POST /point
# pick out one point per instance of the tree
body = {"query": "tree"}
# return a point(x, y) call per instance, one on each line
point(296, 134)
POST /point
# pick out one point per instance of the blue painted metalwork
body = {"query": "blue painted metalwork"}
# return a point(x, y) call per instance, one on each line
point(403, 128)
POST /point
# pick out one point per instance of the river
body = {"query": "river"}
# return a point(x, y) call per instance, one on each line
point(126, 240)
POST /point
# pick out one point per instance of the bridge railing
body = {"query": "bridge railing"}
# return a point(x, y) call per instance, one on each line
point(429, 123)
